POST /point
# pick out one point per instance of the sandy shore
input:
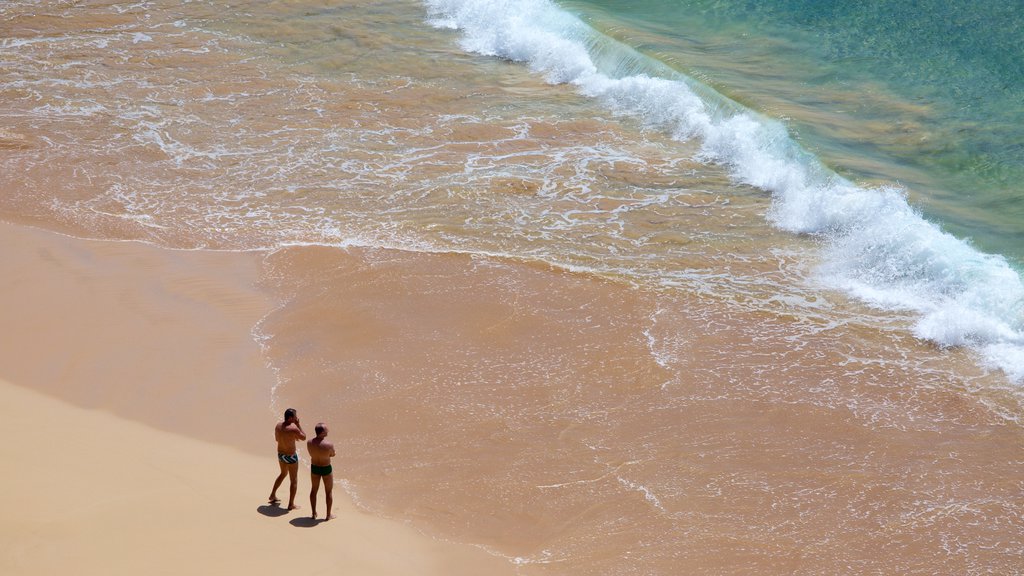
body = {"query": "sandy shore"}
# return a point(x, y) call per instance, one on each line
point(138, 414)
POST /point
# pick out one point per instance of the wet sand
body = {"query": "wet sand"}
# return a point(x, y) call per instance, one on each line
point(584, 426)
point(572, 423)
point(138, 415)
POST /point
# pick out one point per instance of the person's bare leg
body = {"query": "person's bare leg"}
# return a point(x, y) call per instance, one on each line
point(293, 475)
point(312, 494)
point(277, 483)
point(328, 491)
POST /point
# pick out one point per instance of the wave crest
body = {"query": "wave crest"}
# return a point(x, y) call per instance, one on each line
point(877, 247)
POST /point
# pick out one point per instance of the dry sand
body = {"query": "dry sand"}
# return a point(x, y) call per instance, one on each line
point(139, 422)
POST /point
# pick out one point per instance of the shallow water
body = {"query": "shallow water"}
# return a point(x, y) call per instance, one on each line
point(580, 426)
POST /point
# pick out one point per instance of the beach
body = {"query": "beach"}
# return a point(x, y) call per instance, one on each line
point(139, 396)
point(140, 435)
point(579, 288)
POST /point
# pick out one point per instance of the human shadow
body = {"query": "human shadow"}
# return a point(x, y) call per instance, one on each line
point(305, 522)
point(272, 510)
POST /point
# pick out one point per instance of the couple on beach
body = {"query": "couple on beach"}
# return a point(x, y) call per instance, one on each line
point(287, 434)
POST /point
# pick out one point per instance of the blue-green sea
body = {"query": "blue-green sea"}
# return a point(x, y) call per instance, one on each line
point(887, 131)
point(925, 94)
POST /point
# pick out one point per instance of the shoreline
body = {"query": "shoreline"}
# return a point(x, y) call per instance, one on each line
point(134, 388)
point(150, 334)
point(139, 371)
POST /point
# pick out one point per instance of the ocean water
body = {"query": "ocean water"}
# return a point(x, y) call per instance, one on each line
point(926, 95)
point(669, 287)
point(881, 248)
point(907, 216)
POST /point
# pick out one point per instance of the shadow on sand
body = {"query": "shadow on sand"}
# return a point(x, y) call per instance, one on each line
point(272, 510)
point(305, 522)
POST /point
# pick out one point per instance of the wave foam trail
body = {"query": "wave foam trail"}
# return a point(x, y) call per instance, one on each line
point(877, 247)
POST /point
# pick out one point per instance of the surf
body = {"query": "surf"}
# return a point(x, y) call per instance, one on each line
point(875, 246)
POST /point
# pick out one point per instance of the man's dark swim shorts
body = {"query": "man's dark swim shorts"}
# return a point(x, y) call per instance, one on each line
point(321, 470)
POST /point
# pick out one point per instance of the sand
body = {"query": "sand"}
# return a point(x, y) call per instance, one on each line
point(139, 413)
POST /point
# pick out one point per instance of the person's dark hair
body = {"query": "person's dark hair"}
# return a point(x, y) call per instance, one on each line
point(289, 414)
point(320, 428)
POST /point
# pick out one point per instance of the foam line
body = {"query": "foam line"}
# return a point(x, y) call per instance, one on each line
point(877, 247)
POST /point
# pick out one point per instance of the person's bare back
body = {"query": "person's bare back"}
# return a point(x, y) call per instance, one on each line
point(320, 451)
point(287, 434)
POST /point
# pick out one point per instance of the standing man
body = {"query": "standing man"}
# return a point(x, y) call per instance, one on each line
point(287, 433)
point(320, 453)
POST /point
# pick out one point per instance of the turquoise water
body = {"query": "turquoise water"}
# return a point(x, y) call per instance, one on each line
point(929, 95)
point(909, 216)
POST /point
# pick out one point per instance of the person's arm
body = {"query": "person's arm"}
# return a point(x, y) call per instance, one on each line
point(298, 430)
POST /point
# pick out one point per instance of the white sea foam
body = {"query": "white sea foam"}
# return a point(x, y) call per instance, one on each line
point(876, 246)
